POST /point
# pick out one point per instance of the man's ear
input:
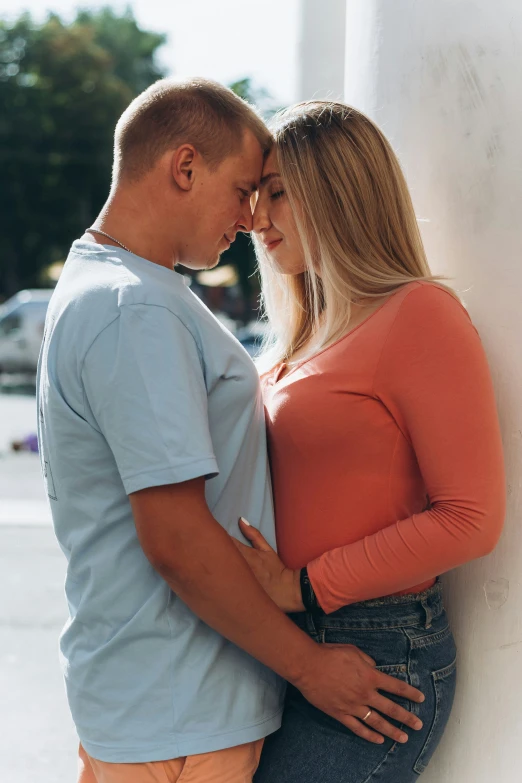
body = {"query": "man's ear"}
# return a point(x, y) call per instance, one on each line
point(182, 165)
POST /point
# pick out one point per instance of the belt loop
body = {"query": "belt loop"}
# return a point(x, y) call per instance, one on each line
point(428, 611)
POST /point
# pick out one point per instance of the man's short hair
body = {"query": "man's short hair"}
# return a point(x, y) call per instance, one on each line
point(172, 112)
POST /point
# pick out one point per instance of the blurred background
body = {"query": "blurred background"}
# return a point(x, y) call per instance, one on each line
point(443, 79)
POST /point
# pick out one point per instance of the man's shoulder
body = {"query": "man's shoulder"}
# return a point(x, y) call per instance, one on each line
point(96, 283)
point(99, 284)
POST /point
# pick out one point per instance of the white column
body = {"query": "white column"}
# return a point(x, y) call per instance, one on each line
point(444, 80)
point(321, 49)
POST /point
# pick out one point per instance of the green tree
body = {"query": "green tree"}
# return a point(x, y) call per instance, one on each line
point(62, 90)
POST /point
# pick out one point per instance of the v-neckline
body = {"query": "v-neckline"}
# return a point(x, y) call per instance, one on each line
point(278, 379)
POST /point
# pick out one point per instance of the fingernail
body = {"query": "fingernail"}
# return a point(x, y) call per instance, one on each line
point(419, 724)
point(403, 738)
point(244, 520)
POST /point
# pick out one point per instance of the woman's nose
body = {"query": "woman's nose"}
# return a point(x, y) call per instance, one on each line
point(260, 218)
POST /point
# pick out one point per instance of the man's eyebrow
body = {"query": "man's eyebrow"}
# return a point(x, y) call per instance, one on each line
point(251, 187)
point(268, 177)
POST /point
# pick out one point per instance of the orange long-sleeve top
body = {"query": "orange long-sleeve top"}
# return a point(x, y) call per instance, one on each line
point(386, 454)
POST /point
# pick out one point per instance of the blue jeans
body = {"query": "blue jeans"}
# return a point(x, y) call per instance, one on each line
point(409, 637)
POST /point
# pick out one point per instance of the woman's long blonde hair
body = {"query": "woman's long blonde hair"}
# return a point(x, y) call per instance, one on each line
point(355, 220)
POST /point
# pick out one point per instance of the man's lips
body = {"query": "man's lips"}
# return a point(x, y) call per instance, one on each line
point(273, 244)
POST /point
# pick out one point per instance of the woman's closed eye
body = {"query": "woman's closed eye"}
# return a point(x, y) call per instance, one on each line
point(277, 194)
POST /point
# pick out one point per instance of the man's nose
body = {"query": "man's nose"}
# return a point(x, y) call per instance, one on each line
point(245, 221)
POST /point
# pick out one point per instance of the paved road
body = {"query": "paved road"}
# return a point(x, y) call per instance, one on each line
point(37, 738)
point(22, 496)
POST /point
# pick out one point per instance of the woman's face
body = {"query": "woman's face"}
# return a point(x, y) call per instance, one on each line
point(274, 222)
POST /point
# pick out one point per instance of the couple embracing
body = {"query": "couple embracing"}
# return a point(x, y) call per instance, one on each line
point(220, 633)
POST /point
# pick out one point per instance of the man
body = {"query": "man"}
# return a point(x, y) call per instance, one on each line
point(153, 445)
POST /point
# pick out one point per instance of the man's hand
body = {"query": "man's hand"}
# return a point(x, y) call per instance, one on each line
point(282, 584)
point(344, 683)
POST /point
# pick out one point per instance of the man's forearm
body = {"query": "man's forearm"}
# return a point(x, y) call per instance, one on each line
point(212, 578)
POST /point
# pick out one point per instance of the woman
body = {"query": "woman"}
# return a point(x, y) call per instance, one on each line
point(384, 441)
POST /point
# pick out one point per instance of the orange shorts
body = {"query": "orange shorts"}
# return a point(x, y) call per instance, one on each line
point(232, 765)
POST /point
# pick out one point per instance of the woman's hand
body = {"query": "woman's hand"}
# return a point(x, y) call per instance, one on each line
point(282, 584)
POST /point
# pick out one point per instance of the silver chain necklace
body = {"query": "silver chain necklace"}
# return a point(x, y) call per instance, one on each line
point(99, 231)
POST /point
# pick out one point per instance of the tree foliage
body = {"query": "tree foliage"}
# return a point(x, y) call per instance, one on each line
point(62, 90)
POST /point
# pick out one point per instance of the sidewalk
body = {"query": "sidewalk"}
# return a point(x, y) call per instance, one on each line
point(39, 742)
point(38, 739)
point(22, 495)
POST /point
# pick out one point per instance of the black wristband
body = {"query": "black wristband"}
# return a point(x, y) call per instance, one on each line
point(307, 591)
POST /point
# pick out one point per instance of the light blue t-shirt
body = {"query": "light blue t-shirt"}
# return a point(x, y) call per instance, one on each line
point(140, 386)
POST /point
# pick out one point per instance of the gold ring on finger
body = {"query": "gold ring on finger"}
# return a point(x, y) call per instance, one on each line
point(367, 715)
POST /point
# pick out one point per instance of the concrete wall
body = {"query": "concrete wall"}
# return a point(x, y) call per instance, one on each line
point(321, 49)
point(444, 80)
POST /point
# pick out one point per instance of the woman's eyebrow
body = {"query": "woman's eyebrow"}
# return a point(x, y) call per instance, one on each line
point(268, 177)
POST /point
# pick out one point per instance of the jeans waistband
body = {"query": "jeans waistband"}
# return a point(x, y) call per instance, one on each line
point(391, 612)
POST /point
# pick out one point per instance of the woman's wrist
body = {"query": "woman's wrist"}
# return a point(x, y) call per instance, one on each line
point(308, 597)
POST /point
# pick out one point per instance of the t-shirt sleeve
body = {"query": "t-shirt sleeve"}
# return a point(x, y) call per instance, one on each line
point(145, 389)
point(434, 379)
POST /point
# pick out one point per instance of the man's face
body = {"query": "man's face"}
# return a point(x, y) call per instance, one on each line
point(221, 204)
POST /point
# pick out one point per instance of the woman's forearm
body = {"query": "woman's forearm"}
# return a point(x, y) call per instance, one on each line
point(406, 553)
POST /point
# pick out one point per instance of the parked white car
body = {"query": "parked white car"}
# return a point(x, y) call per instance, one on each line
point(22, 320)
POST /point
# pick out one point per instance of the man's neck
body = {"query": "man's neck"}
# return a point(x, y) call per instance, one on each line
point(130, 218)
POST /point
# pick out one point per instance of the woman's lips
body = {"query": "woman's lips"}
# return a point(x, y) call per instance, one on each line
point(272, 245)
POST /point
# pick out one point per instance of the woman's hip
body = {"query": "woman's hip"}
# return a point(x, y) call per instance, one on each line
point(409, 638)
point(400, 631)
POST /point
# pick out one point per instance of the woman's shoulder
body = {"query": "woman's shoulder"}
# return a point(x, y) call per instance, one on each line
point(428, 318)
point(429, 302)
point(429, 333)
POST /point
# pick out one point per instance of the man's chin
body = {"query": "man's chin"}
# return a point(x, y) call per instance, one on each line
point(210, 264)
point(201, 266)
point(214, 262)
